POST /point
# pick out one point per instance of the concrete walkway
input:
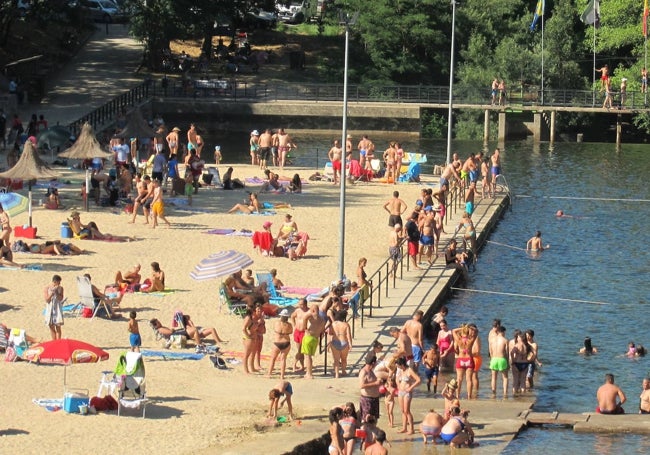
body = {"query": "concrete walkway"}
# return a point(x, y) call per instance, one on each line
point(495, 423)
point(105, 67)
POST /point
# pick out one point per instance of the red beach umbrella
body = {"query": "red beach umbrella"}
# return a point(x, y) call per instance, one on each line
point(65, 352)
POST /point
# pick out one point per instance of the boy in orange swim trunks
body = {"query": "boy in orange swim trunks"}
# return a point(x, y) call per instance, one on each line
point(158, 206)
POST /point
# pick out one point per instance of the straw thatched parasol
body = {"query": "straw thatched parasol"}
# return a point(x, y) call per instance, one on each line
point(136, 126)
point(29, 167)
point(86, 147)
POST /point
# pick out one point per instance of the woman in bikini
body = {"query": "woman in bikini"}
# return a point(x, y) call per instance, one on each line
point(258, 317)
point(6, 226)
point(282, 330)
point(399, 157)
point(336, 432)
point(407, 380)
point(253, 205)
point(521, 355)
point(249, 337)
point(198, 333)
point(349, 425)
point(341, 343)
point(157, 279)
point(464, 339)
point(288, 227)
point(445, 342)
point(361, 273)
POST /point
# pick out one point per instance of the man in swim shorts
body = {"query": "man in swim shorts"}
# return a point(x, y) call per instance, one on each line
point(395, 208)
point(431, 426)
point(644, 398)
point(315, 327)
point(498, 346)
point(496, 164)
point(299, 323)
point(413, 328)
point(610, 397)
point(426, 225)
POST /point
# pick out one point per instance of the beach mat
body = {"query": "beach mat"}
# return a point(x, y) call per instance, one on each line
point(164, 293)
point(297, 290)
point(172, 355)
point(50, 404)
point(231, 232)
point(29, 267)
point(220, 231)
point(113, 239)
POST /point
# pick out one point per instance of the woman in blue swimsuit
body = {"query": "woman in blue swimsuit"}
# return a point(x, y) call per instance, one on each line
point(457, 431)
point(341, 343)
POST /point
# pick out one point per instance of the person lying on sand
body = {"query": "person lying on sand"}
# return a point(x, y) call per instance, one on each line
point(91, 231)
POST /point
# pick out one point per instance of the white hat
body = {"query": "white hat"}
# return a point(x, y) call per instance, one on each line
point(217, 147)
point(255, 133)
point(624, 79)
point(284, 313)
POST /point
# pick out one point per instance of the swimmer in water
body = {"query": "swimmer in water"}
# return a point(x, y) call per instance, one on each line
point(535, 244)
point(631, 349)
point(588, 349)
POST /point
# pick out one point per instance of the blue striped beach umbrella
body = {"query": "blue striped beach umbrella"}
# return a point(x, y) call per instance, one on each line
point(13, 203)
point(220, 264)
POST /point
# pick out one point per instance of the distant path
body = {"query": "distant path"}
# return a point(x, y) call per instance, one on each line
point(103, 68)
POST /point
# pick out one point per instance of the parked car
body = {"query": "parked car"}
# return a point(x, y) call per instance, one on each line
point(296, 11)
point(258, 18)
point(103, 11)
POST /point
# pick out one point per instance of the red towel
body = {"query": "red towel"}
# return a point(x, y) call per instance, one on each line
point(262, 240)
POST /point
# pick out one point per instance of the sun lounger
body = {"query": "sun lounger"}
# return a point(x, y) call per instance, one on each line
point(238, 308)
point(275, 297)
point(132, 392)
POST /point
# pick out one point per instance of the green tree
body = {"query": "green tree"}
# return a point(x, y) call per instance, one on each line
point(157, 22)
point(406, 41)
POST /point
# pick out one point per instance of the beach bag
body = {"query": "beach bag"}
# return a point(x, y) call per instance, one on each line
point(178, 341)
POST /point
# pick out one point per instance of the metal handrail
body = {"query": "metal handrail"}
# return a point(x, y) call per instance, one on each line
point(243, 91)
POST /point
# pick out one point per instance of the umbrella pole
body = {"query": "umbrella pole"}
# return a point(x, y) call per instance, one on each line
point(86, 204)
point(30, 203)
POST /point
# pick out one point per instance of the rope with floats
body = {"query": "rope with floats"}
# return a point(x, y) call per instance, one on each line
point(508, 246)
point(574, 198)
point(513, 294)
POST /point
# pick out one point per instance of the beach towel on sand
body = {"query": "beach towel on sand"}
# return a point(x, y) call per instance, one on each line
point(232, 232)
point(172, 355)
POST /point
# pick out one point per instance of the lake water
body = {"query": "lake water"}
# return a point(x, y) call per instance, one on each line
point(595, 256)
point(597, 265)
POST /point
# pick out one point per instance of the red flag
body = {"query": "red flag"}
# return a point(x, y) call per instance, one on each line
point(645, 19)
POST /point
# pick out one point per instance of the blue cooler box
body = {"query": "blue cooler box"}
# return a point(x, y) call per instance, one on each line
point(73, 399)
point(66, 232)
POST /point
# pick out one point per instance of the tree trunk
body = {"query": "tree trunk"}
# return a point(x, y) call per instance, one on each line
point(206, 47)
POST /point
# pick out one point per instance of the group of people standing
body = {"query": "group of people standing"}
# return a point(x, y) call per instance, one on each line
point(270, 147)
point(392, 157)
point(498, 92)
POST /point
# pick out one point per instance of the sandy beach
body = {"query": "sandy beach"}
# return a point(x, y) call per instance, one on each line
point(195, 406)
